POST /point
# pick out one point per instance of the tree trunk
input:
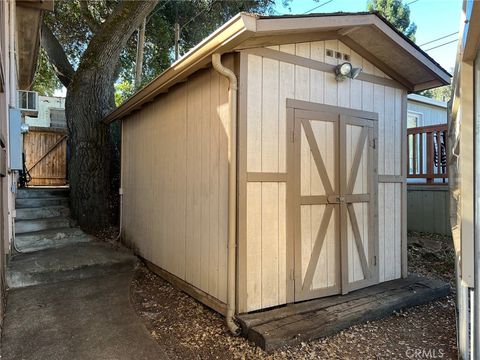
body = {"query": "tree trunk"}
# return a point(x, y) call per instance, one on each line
point(91, 155)
point(90, 96)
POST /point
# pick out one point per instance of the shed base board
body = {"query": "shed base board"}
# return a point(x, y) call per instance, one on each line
point(292, 324)
point(187, 288)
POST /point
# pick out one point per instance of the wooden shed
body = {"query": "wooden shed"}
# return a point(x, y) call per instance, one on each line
point(302, 171)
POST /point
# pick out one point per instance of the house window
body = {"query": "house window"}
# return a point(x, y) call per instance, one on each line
point(414, 119)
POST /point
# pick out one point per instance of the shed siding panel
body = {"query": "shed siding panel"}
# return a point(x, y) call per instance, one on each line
point(175, 181)
point(254, 246)
point(270, 83)
point(254, 114)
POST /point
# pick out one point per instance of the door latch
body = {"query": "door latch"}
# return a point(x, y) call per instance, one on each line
point(336, 199)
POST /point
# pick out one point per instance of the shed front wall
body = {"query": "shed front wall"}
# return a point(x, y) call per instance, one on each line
point(264, 269)
point(175, 181)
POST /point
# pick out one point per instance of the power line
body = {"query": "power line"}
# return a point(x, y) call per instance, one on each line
point(440, 38)
point(179, 28)
point(441, 45)
point(412, 2)
point(198, 14)
point(316, 7)
point(158, 9)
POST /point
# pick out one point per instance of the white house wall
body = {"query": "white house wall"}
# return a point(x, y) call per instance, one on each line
point(270, 83)
point(430, 115)
point(45, 104)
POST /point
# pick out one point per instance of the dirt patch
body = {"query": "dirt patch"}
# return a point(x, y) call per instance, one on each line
point(190, 330)
point(432, 255)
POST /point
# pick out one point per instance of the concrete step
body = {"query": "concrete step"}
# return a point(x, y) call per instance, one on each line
point(42, 192)
point(25, 226)
point(50, 239)
point(35, 202)
point(79, 261)
point(42, 212)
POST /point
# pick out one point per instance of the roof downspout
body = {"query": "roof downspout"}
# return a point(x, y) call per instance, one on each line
point(232, 192)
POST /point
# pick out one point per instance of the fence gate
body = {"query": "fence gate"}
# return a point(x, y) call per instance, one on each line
point(46, 156)
point(334, 192)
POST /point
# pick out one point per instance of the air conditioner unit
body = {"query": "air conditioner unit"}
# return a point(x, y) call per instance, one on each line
point(28, 102)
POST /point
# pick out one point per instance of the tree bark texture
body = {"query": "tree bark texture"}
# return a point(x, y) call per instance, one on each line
point(90, 96)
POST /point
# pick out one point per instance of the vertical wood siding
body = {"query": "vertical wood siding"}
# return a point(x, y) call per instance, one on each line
point(270, 83)
point(428, 209)
point(175, 181)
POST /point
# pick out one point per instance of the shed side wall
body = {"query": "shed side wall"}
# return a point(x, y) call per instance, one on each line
point(175, 181)
point(264, 272)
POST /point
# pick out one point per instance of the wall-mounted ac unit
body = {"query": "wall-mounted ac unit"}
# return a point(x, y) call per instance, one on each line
point(28, 102)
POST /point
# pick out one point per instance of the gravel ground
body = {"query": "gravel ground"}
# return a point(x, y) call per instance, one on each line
point(189, 330)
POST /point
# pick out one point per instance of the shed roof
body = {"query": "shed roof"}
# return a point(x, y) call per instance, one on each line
point(368, 34)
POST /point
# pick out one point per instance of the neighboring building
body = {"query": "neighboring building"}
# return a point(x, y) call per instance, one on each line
point(424, 111)
point(464, 180)
point(427, 140)
point(321, 150)
point(427, 165)
point(50, 113)
point(20, 23)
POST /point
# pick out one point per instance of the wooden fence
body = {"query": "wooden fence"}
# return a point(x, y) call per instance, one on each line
point(427, 153)
point(46, 155)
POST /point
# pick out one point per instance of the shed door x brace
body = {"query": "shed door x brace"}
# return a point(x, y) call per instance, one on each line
point(333, 190)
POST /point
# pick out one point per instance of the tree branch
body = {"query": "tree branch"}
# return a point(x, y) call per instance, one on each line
point(105, 46)
point(56, 56)
point(92, 23)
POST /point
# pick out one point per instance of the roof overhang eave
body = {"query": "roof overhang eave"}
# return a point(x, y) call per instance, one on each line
point(349, 23)
point(444, 78)
point(223, 39)
point(243, 26)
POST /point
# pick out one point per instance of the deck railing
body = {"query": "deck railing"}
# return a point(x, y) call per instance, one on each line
point(427, 154)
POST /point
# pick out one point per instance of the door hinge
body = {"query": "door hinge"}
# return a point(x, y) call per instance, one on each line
point(292, 274)
point(293, 136)
point(373, 143)
point(375, 260)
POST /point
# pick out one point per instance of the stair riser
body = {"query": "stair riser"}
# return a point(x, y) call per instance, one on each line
point(37, 202)
point(28, 246)
point(41, 193)
point(38, 225)
point(42, 213)
point(17, 280)
point(55, 234)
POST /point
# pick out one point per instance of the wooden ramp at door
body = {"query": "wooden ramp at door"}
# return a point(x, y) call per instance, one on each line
point(292, 324)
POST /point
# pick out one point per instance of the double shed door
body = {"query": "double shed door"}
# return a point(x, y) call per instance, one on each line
point(333, 191)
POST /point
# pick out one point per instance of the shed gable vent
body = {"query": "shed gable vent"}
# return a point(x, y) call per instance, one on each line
point(337, 55)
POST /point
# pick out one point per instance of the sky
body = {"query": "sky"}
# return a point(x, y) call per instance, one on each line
point(434, 19)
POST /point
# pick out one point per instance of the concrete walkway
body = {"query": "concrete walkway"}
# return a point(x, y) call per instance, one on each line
point(78, 319)
point(69, 294)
